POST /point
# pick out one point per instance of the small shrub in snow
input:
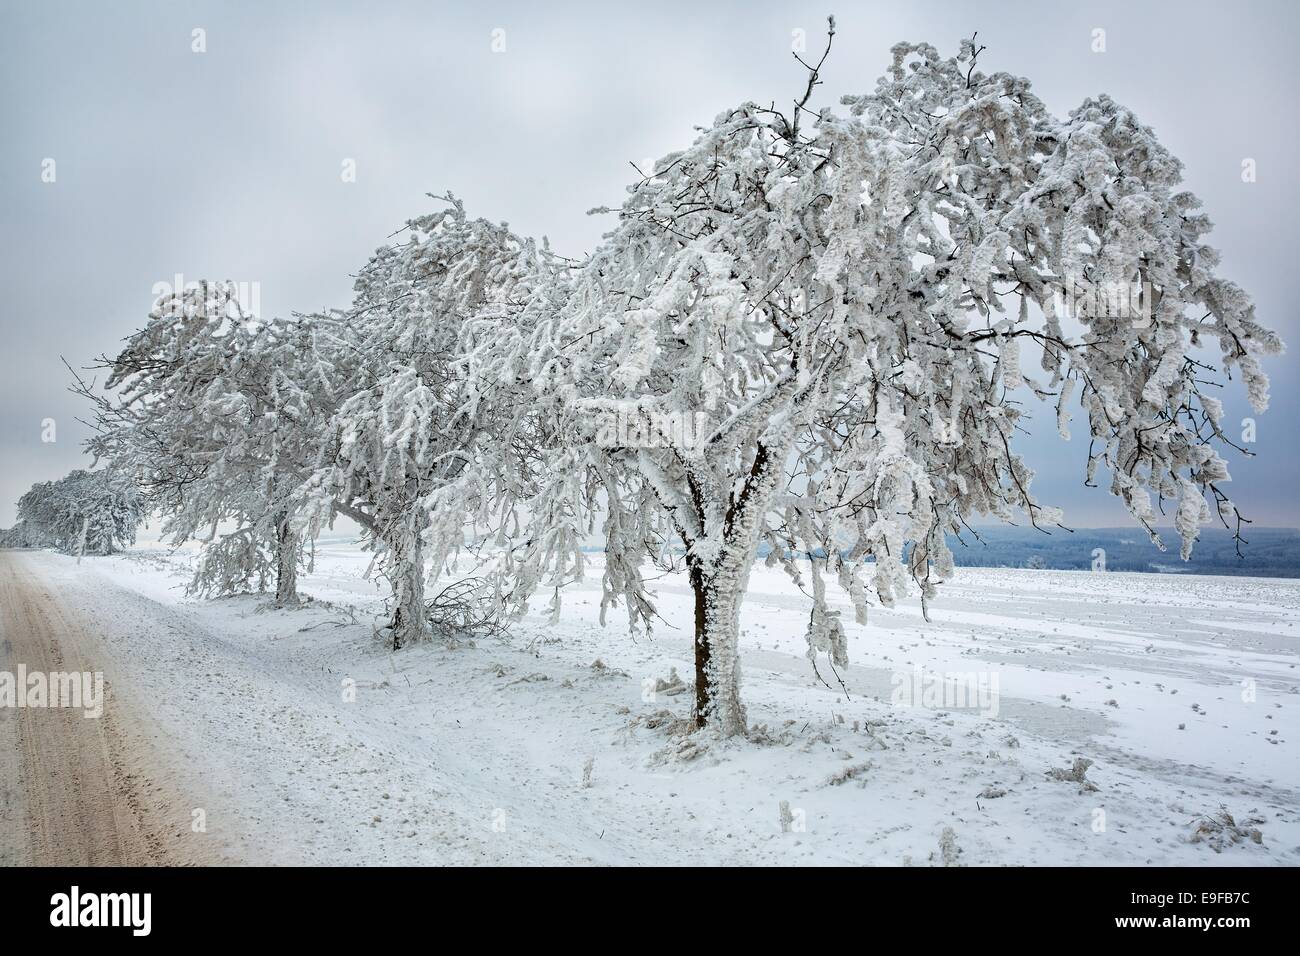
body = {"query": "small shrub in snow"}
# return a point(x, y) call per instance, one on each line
point(1220, 830)
point(855, 772)
point(672, 685)
point(948, 848)
point(1075, 774)
point(601, 669)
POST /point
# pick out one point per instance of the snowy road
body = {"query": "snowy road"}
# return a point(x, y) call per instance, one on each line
point(76, 789)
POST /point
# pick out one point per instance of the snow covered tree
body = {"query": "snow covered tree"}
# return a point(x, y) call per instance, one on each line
point(85, 511)
point(215, 413)
point(275, 427)
point(837, 306)
point(395, 454)
point(24, 535)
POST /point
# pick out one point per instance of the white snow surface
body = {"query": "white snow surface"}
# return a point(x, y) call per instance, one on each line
point(545, 747)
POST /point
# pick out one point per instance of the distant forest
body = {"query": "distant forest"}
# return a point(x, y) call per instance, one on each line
point(1266, 552)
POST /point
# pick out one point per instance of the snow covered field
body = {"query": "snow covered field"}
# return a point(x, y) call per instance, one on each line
point(552, 746)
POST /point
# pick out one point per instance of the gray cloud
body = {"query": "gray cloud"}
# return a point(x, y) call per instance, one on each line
point(226, 164)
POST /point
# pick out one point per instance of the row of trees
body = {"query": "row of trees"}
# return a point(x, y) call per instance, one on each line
point(94, 512)
point(839, 303)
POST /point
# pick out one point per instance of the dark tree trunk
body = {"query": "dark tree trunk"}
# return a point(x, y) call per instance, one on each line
point(719, 588)
point(703, 679)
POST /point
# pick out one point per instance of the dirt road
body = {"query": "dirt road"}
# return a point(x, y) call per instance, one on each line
point(76, 790)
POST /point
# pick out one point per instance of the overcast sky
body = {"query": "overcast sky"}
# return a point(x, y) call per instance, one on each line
point(227, 163)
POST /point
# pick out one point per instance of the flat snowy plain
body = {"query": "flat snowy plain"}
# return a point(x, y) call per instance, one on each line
point(549, 746)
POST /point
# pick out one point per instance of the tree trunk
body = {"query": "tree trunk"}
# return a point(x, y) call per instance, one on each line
point(718, 597)
point(286, 563)
point(410, 619)
point(703, 677)
point(719, 587)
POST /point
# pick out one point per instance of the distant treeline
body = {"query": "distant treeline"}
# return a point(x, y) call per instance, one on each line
point(1266, 552)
